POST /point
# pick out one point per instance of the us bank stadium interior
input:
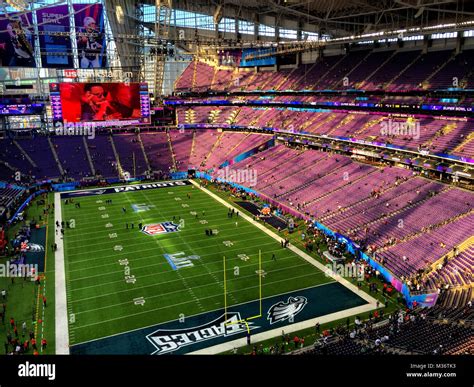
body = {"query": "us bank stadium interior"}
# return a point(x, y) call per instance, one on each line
point(274, 177)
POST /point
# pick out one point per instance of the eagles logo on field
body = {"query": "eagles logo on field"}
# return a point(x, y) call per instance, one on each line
point(160, 228)
point(170, 340)
point(285, 310)
point(28, 247)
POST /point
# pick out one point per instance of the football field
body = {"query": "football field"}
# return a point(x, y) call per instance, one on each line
point(120, 278)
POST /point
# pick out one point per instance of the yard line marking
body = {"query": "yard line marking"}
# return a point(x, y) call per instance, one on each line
point(222, 226)
point(131, 232)
point(86, 213)
point(183, 280)
point(171, 281)
point(303, 255)
point(164, 263)
point(186, 302)
point(168, 237)
point(156, 274)
point(194, 315)
point(212, 214)
point(190, 291)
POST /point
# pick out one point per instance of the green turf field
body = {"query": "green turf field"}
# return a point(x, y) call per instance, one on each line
point(23, 301)
point(110, 270)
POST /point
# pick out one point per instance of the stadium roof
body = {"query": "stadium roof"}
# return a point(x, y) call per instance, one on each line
point(341, 18)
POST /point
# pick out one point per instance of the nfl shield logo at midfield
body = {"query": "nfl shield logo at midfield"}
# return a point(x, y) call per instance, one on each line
point(160, 228)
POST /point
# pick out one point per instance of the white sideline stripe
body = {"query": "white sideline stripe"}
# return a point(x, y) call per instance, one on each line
point(304, 324)
point(296, 250)
point(61, 326)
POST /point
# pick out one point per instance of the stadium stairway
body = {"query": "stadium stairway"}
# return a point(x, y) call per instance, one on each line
point(248, 81)
point(301, 169)
point(324, 122)
point(193, 82)
point(55, 155)
point(454, 269)
point(304, 75)
point(369, 124)
point(459, 131)
point(346, 120)
point(467, 244)
point(339, 82)
point(285, 79)
point(214, 146)
point(421, 232)
point(443, 131)
point(456, 298)
point(321, 79)
point(291, 169)
point(218, 152)
point(181, 141)
point(385, 73)
point(331, 192)
point(439, 69)
point(173, 156)
point(117, 157)
point(145, 156)
point(399, 210)
point(400, 73)
point(312, 180)
point(466, 146)
point(192, 151)
point(27, 156)
point(157, 150)
point(103, 156)
point(373, 206)
point(258, 116)
point(215, 71)
point(276, 154)
point(369, 77)
point(364, 200)
point(88, 155)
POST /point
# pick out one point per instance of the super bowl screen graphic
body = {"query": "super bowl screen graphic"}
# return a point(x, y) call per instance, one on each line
point(95, 102)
